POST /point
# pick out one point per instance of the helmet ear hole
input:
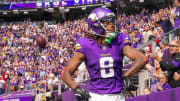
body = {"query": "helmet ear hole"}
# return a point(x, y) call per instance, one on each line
point(96, 25)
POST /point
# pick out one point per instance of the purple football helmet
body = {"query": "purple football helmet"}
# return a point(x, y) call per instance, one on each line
point(96, 19)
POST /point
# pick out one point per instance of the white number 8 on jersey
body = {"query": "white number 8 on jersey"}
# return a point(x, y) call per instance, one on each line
point(106, 63)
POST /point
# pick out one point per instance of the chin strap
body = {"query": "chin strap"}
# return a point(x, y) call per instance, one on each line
point(108, 40)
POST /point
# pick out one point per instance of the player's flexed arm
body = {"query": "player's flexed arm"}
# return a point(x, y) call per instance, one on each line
point(71, 68)
point(139, 59)
point(80, 93)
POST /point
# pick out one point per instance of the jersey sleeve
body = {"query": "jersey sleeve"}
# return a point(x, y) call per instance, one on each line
point(79, 47)
point(123, 39)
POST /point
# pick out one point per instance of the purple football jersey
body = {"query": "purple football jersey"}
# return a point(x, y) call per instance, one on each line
point(104, 63)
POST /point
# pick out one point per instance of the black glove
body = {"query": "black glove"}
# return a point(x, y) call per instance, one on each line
point(81, 94)
point(128, 84)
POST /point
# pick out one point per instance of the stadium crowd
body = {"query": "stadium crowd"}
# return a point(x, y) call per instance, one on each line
point(23, 63)
point(24, 66)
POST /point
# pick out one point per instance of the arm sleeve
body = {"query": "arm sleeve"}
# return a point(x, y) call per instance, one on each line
point(170, 65)
point(79, 47)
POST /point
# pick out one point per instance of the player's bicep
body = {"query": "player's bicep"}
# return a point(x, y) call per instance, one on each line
point(132, 53)
point(75, 62)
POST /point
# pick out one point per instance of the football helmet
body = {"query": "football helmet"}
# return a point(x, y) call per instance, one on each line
point(98, 19)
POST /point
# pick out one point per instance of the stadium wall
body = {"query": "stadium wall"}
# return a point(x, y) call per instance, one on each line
point(168, 95)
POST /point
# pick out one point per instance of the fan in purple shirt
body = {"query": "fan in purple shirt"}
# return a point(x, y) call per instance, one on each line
point(138, 39)
point(177, 14)
point(163, 83)
point(102, 50)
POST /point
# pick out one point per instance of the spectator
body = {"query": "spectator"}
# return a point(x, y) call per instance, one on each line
point(172, 65)
point(55, 83)
point(42, 73)
point(14, 82)
point(147, 33)
point(137, 39)
point(5, 76)
point(147, 91)
point(27, 81)
point(50, 81)
point(164, 44)
point(165, 49)
point(8, 86)
point(21, 85)
point(34, 78)
point(163, 20)
point(2, 83)
point(156, 73)
point(177, 14)
point(163, 85)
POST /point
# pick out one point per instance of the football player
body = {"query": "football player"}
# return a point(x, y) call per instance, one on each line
point(102, 50)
